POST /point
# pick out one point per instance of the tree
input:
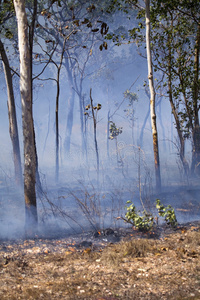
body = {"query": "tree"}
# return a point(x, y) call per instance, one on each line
point(94, 111)
point(13, 128)
point(114, 132)
point(83, 20)
point(6, 13)
point(195, 96)
point(176, 44)
point(137, 35)
point(31, 217)
point(57, 109)
point(9, 31)
point(152, 95)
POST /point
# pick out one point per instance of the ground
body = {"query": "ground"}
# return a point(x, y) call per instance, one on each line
point(164, 264)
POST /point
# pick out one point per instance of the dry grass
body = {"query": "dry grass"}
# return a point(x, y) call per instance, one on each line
point(115, 254)
point(192, 239)
point(167, 268)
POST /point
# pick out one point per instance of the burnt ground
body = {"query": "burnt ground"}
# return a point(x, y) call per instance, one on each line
point(120, 264)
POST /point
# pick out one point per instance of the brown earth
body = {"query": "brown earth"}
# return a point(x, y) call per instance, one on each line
point(160, 265)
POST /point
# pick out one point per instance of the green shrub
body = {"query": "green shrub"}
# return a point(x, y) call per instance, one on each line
point(145, 221)
point(167, 212)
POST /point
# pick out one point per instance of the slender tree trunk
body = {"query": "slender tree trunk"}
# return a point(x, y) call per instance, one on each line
point(152, 99)
point(196, 131)
point(57, 129)
point(13, 128)
point(107, 134)
point(83, 128)
point(57, 110)
point(27, 118)
point(95, 134)
point(31, 36)
point(85, 132)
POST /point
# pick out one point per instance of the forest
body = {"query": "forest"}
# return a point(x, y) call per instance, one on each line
point(100, 149)
point(100, 105)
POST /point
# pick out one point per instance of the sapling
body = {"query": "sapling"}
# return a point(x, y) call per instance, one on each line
point(145, 221)
point(94, 117)
point(167, 212)
point(114, 133)
point(142, 222)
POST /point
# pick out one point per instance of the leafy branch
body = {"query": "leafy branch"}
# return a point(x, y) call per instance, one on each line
point(145, 221)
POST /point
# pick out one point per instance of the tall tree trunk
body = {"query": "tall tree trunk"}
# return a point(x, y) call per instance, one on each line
point(108, 134)
point(31, 36)
point(196, 131)
point(57, 110)
point(13, 129)
point(57, 128)
point(152, 99)
point(31, 217)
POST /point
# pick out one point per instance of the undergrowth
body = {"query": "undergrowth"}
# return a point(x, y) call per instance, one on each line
point(144, 221)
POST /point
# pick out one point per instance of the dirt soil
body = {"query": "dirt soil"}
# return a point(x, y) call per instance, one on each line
point(164, 264)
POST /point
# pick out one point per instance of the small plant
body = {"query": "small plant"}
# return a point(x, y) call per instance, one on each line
point(143, 222)
point(114, 133)
point(167, 212)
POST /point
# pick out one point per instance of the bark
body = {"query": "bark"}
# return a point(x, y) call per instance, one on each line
point(152, 98)
point(27, 118)
point(31, 36)
point(196, 130)
point(13, 128)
